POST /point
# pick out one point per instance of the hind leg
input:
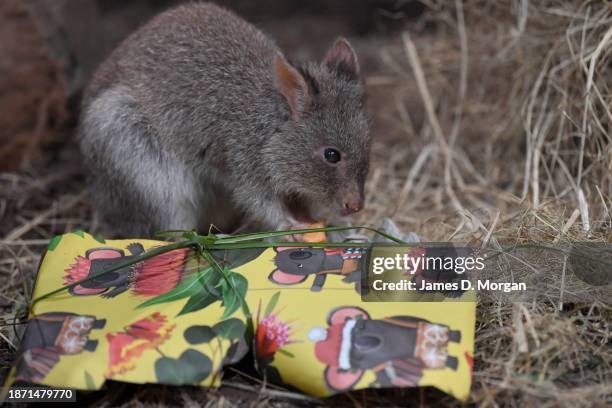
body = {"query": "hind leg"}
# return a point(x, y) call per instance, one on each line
point(138, 187)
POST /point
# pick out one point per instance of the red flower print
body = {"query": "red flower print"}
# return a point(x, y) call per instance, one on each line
point(127, 346)
point(271, 334)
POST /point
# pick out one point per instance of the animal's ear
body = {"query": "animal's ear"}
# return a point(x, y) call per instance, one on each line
point(281, 249)
point(292, 85)
point(283, 278)
point(341, 58)
point(79, 290)
point(103, 253)
point(338, 380)
point(340, 314)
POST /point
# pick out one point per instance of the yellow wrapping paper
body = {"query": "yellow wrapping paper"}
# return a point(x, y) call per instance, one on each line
point(150, 323)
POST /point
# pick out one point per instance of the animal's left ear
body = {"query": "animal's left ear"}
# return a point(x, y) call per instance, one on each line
point(341, 58)
point(292, 85)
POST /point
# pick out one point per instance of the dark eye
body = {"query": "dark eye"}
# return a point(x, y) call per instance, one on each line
point(332, 155)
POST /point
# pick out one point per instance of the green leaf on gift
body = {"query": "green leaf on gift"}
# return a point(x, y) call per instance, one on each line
point(89, 381)
point(213, 282)
point(230, 302)
point(230, 329)
point(198, 302)
point(192, 367)
point(199, 334)
point(234, 293)
point(234, 259)
point(100, 240)
point(54, 242)
point(286, 353)
point(235, 352)
point(190, 286)
point(272, 304)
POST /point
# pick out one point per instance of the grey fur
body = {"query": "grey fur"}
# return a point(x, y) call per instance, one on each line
point(184, 126)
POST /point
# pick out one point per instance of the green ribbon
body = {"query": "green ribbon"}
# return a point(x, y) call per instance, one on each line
point(203, 244)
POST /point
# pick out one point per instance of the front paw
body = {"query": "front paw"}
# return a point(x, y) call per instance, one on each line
point(288, 225)
point(308, 236)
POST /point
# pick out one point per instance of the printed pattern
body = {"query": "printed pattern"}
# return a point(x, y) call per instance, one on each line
point(164, 320)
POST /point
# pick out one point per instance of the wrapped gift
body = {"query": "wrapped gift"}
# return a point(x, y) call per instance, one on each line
point(172, 319)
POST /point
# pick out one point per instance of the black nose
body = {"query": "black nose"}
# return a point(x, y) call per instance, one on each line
point(300, 254)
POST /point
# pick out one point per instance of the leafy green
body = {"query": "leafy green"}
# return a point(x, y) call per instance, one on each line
point(199, 334)
point(272, 304)
point(190, 286)
point(89, 381)
point(234, 259)
point(198, 302)
point(233, 293)
point(100, 240)
point(230, 329)
point(285, 352)
point(54, 242)
point(192, 367)
point(236, 351)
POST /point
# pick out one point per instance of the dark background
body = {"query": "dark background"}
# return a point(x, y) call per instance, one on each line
point(51, 47)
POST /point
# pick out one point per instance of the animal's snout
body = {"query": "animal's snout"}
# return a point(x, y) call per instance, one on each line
point(353, 202)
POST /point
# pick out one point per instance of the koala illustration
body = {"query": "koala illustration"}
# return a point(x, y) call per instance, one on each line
point(397, 349)
point(151, 277)
point(295, 265)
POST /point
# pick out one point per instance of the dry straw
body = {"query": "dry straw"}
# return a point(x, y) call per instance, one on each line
point(502, 129)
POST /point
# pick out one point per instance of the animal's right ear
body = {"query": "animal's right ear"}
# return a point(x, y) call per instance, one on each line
point(292, 85)
point(342, 58)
